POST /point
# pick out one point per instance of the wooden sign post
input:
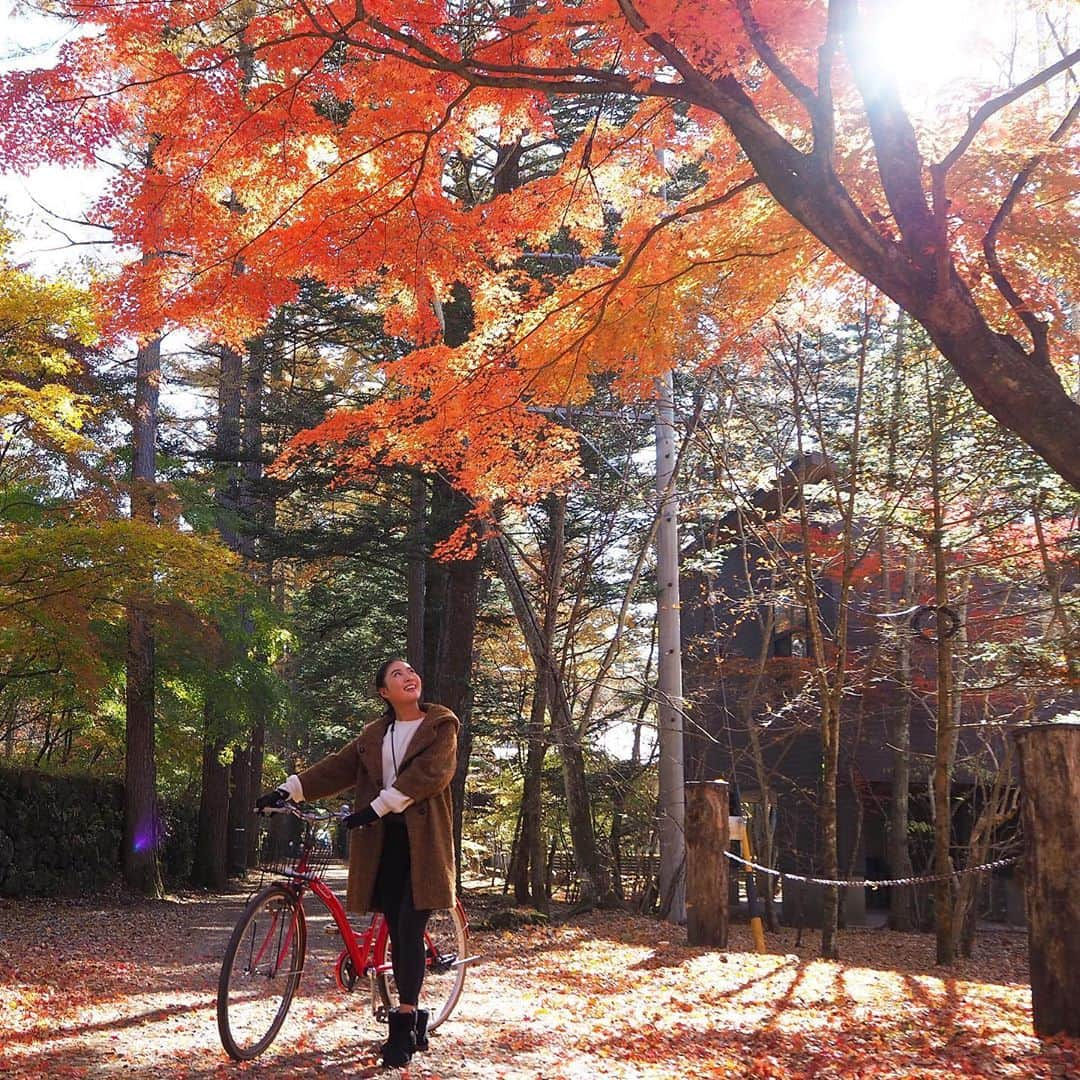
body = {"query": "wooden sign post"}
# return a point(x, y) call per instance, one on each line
point(707, 833)
point(1050, 782)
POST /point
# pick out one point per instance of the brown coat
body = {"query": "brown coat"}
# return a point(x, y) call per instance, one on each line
point(424, 775)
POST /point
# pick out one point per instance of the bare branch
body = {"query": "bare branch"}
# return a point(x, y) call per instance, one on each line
point(1037, 327)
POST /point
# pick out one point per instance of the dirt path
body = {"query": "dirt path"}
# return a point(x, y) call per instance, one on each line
point(128, 990)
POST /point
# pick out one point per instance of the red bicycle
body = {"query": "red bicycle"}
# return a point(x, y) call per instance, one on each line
point(265, 955)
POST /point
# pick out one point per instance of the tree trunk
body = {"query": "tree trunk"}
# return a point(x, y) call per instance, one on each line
point(898, 848)
point(529, 858)
point(217, 817)
point(901, 897)
point(258, 511)
point(946, 731)
point(830, 855)
point(534, 837)
point(417, 559)
point(829, 708)
point(452, 684)
point(212, 844)
point(1050, 778)
point(595, 884)
point(615, 839)
point(228, 495)
point(672, 772)
point(830, 670)
point(258, 747)
point(255, 504)
point(141, 827)
point(553, 558)
point(241, 803)
point(591, 872)
point(707, 831)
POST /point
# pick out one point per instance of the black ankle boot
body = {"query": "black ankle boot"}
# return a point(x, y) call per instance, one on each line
point(400, 1047)
point(421, 1029)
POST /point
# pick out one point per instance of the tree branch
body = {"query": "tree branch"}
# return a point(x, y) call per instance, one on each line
point(988, 108)
point(790, 81)
point(1038, 328)
point(896, 149)
point(823, 117)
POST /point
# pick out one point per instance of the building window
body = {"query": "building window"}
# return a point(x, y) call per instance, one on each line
point(789, 630)
point(792, 643)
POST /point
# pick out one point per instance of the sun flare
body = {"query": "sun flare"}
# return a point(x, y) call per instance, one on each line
point(928, 45)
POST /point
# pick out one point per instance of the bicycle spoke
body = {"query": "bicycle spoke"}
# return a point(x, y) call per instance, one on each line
point(446, 946)
point(261, 972)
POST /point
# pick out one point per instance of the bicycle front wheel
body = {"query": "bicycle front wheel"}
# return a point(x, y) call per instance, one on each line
point(447, 946)
point(261, 971)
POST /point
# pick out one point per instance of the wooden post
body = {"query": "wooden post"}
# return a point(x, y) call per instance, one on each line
point(1050, 782)
point(707, 832)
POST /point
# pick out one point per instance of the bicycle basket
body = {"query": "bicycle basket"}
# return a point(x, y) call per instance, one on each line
point(288, 845)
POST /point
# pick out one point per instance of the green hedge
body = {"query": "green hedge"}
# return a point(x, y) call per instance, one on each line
point(179, 832)
point(61, 835)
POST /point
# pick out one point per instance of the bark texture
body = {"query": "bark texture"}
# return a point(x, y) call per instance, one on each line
point(1050, 778)
point(707, 832)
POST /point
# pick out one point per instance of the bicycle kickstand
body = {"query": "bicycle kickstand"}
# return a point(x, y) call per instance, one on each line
point(378, 1006)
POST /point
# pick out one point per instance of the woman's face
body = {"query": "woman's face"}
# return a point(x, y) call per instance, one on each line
point(401, 685)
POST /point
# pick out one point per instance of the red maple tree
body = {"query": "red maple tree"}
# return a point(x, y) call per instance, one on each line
point(715, 150)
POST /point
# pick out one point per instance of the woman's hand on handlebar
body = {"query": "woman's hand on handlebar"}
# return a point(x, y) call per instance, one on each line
point(273, 802)
point(361, 818)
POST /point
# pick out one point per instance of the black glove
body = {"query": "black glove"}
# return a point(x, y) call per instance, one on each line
point(367, 816)
point(277, 799)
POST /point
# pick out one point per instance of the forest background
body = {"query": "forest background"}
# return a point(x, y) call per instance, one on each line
point(416, 337)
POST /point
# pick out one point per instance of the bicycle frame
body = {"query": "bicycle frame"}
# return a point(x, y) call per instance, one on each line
point(359, 946)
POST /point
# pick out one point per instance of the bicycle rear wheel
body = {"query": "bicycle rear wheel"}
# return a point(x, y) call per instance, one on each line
point(447, 939)
point(261, 971)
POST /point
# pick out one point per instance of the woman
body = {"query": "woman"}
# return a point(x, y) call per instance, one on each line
point(399, 767)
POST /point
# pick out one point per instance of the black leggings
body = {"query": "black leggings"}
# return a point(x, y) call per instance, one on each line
point(393, 897)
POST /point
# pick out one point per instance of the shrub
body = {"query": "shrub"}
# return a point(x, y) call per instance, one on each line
point(59, 835)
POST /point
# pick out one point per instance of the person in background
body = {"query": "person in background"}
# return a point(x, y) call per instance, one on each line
point(399, 770)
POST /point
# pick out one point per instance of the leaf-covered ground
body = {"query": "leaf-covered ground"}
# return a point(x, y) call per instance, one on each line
point(127, 989)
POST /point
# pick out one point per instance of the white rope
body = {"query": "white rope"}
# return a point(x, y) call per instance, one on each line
point(870, 884)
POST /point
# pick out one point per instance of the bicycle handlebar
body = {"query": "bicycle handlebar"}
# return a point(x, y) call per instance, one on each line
point(314, 815)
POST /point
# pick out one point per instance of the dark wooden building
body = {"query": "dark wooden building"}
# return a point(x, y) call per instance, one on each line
point(752, 712)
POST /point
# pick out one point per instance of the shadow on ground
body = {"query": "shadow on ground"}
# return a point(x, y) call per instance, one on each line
point(129, 990)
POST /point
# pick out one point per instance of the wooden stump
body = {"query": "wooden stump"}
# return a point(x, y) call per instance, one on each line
point(707, 831)
point(1050, 779)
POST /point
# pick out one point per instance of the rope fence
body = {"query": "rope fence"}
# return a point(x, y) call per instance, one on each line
point(869, 883)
